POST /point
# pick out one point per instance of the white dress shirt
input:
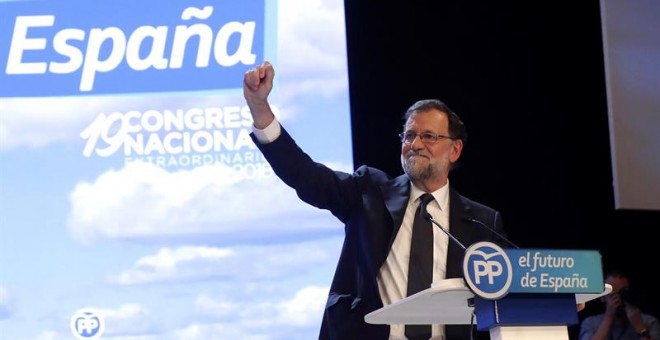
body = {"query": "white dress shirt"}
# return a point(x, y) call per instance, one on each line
point(393, 275)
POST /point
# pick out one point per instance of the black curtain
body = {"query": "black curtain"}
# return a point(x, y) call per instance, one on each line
point(528, 80)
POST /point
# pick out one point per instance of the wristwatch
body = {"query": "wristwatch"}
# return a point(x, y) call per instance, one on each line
point(644, 333)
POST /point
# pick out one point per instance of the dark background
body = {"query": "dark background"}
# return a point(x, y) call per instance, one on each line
point(528, 80)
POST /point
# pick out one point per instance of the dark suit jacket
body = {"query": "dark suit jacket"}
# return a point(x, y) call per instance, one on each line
point(371, 205)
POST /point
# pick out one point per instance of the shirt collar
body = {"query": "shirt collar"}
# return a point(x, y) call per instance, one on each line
point(441, 196)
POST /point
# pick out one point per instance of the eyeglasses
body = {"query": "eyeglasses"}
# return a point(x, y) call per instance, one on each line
point(426, 137)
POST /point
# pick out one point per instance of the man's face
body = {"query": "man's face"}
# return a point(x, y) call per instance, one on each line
point(617, 282)
point(429, 161)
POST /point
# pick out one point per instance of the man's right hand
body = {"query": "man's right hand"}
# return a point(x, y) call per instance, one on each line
point(612, 304)
point(257, 84)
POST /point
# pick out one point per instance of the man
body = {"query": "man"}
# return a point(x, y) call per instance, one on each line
point(622, 319)
point(378, 212)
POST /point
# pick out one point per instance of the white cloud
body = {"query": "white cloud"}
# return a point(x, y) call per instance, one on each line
point(216, 308)
point(6, 304)
point(312, 53)
point(51, 335)
point(128, 319)
point(286, 317)
point(237, 264)
point(183, 263)
point(305, 308)
point(216, 331)
point(142, 201)
point(296, 318)
point(37, 122)
point(311, 38)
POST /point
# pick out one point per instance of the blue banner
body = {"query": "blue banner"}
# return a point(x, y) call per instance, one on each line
point(77, 47)
point(492, 272)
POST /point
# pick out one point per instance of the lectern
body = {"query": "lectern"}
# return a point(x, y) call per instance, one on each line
point(514, 294)
point(450, 302)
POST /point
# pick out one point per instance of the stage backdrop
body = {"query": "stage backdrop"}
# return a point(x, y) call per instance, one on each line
point(131, 196)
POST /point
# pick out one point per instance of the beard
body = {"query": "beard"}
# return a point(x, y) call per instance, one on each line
point(416, 168)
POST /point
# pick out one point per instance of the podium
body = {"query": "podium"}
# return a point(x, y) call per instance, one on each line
point(516, 316)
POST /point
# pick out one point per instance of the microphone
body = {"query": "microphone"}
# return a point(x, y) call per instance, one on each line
point(492, 230)
point(429, 218)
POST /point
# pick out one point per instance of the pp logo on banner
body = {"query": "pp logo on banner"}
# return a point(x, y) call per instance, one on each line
point(87, 324)
point(487, 270)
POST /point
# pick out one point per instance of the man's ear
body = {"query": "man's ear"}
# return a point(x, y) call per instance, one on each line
point(456, 149)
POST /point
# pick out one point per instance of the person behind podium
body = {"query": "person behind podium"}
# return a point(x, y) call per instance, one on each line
point(378, 211)
point(622, 319)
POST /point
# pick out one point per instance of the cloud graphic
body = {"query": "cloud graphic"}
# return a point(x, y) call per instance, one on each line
point(290, 317)
point(197, 263)
point(143, 201)
point(294, 318)
point(128, 319)
point(6, 305)
point(305, 308)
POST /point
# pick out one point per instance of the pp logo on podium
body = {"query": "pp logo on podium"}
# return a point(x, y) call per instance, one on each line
point(87, 324)
point(487, 270)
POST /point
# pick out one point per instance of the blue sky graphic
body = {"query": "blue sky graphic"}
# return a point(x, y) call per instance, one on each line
point(174, 253)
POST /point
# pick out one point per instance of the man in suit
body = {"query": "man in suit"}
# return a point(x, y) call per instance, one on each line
point(378, 212)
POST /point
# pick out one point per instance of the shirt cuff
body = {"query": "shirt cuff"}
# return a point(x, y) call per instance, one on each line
point(269, 133)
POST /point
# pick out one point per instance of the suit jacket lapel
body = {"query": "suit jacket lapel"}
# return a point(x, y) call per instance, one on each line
point(460, 232)
point(395, 193)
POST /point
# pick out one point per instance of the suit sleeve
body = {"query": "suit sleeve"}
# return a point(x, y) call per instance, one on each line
point(314, 183)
